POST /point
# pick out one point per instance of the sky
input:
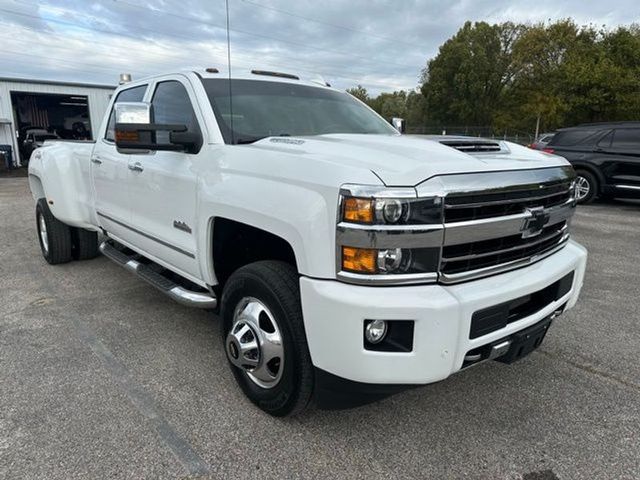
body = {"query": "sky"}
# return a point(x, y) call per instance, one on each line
point(382, 45)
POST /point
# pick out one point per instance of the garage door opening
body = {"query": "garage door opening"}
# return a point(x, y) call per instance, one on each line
point(43, 116)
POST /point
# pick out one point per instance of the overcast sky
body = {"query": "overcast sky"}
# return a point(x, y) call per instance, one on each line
point(382, 45)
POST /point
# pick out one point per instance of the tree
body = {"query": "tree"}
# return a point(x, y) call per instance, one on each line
point(360, 93)
point(390, 105)
point(535, 96)
point(464, 83)
point(554, 74)
point(416, 110)
point(569, 75)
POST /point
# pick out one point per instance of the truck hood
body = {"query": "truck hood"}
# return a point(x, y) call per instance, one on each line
point(404, 160)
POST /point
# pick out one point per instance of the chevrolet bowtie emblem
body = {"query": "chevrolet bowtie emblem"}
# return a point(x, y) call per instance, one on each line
point(535, 223)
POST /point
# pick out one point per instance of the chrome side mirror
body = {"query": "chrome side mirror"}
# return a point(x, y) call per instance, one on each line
point(398, 124)
point(135, 131)
point(133, 112)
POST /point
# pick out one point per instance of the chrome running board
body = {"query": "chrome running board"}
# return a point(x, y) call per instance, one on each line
point(164, 284)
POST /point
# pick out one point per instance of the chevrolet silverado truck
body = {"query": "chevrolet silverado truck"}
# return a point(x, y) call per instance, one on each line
point(346, 261)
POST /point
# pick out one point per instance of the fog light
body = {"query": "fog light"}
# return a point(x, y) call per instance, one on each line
point(375, 331)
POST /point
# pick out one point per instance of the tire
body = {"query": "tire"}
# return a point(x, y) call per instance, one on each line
point(587, 179)
point(271, 288)
point(84, 244)
point(55, 237)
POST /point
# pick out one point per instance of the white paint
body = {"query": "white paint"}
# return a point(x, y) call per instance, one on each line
point(334, 315)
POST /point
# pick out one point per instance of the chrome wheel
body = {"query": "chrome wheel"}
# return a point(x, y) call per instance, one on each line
point(583, 187)
point(43, 233)
point(254, 343)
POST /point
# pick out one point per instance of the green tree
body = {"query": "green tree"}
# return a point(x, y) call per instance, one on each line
point(465, 82)
point(553, 74)
point(416, 110)
point(359, 92)
point(409, 105)
point(535, 97)
point(569, 74)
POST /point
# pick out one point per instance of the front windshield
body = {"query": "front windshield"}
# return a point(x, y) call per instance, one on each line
point(264, 109)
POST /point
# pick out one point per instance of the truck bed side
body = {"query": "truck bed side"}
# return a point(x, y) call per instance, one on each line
point(60, 172)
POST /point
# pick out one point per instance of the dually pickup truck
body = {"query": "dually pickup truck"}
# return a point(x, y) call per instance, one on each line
point(347, 261)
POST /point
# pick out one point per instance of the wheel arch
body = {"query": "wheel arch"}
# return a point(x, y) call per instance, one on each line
point(594, 171)
point(235, 244)
point(36, 186)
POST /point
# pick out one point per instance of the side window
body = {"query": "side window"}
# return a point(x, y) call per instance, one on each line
point(135, 94)
point(626, 138)
point(171, 105)
point(605, 141)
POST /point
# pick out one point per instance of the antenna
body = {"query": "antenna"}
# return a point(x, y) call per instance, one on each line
point(226, 2)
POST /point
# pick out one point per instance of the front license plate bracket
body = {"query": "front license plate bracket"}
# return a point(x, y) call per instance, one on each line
point(526, 341)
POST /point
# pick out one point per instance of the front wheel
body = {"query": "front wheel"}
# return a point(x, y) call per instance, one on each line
point(264, 337)
point(54, 236)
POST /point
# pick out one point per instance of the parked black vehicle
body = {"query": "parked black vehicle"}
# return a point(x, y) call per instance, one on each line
point(606, 157)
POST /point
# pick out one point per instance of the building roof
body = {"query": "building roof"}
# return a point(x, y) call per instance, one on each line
point(57, 83)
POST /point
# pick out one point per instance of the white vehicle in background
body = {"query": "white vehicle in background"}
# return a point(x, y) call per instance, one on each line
point(348, 261)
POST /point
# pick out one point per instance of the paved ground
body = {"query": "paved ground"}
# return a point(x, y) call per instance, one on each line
point(101, 376)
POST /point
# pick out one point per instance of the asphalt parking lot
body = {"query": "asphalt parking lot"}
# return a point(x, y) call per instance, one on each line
point(101, 376)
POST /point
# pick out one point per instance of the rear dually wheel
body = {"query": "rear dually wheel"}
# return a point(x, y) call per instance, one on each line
point(53, 235)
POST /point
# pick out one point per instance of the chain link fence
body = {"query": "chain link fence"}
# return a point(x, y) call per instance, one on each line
point(523, 138)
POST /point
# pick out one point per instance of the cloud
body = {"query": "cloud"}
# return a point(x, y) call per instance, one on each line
point(382, 45)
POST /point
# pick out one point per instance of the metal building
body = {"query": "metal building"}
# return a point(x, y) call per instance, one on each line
point(32, 110)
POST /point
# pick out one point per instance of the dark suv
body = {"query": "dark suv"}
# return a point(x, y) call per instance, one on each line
point(606, 157)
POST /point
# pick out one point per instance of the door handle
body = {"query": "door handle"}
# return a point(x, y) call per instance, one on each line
point(136, 167)
point(96, 160)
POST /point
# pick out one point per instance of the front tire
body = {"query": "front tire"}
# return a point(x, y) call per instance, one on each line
point(54, 236)
point(586, 187)
point(264, 337)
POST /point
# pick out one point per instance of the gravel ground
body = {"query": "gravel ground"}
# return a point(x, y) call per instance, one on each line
point(103, 377)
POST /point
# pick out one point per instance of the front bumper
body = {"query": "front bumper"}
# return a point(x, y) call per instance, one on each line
point(334, 315)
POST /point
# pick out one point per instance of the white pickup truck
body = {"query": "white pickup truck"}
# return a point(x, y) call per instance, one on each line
point(348, 261)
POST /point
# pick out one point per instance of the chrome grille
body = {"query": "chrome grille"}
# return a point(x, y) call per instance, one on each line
point(487, 253)
point(494, 222)
point(473, 207)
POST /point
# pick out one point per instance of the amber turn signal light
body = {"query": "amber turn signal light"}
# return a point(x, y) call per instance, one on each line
point(358, 210)
point(359, 260)
point(126, 136)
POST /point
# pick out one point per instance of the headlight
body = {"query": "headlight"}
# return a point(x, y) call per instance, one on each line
point(391, 211)
point(388, 235)
point(389, 261)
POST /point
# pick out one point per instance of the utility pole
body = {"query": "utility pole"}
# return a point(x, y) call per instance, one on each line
point(537, 128)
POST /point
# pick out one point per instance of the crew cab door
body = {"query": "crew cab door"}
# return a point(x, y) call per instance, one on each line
point(110, 174)
point(624, 173)
point(163, 184)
